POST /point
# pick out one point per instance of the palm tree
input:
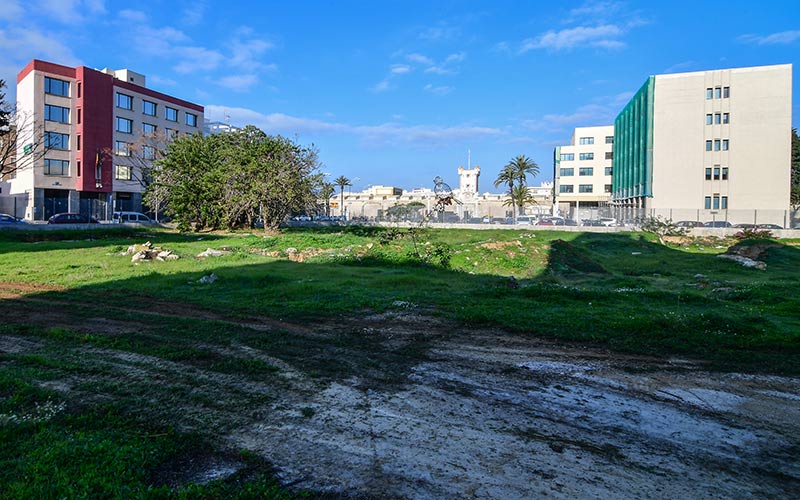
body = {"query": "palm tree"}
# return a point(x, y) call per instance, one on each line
point(521, 196)
point(508, 177)
point(342, 182)
point(326, 191)
point(522, 166)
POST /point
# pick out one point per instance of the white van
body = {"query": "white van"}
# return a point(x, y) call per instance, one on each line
point(526, 219)
point(129, 218)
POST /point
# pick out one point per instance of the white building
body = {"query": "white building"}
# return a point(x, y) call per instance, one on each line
point(583, 169)
point(707, 144)
point(94, 123)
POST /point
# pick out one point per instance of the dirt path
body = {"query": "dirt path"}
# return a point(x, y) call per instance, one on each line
point(481, 414)
point(493, 418)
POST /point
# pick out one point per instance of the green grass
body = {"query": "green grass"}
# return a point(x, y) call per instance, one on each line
point(147, 353)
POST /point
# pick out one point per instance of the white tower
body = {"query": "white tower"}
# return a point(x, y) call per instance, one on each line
point(468, 181)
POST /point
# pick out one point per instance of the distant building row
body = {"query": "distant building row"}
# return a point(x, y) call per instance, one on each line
point(701, 142)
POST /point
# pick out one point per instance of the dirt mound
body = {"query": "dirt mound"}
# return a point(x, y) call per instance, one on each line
point(566, 258)
point(756, 251)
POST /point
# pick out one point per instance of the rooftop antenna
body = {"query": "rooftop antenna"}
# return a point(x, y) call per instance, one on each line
point(227, 117)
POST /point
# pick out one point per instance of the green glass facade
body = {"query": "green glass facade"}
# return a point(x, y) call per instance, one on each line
point(633, 148)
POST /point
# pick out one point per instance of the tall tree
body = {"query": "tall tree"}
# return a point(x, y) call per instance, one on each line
point(795, 199)
point(521, 197)
point(18, 130)
point(508, 177)
point(522, 167)
point(342, 182)
point(326, 191)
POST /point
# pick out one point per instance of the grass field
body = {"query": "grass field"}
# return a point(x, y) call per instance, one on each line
point(77, 419)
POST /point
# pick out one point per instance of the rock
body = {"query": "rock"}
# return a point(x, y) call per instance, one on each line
point(140, 256)
point(291, 250)
point(172, 256)
point(700, 276)
point(745, 261)
point(210, 252)
point(208, 279)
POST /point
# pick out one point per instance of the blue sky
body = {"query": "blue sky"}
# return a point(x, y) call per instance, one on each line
point(396, 92)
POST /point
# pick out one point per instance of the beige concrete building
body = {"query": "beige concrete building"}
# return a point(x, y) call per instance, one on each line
point(707, 145)
point(583, 169)
point(96, 125)
point(373, 203)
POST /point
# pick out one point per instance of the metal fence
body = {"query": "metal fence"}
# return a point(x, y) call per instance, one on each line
point(14, 205)
point(788, 219)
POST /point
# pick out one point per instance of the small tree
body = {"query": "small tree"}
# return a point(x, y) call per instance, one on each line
point(342, 182)
point(326, 191)
point(661, 227)
point(521, 197)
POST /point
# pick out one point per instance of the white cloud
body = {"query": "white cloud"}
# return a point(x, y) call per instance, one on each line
point(381, 86)
point(193, 15)
point(780, 38)
point(238, 83)
point(194, 59)
point(455, 58)
point(678, 67)
point(604, 36)
point(134, 16)
point(11, 11)
point(387, 133)
point(419, 58)
point(440, 90)
point(167, 82)
point(245, 53)
point(442, 32)
point(584, 116)
point(71, 11)
point(400, 69)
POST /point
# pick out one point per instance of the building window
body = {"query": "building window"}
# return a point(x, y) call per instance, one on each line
point(171, 114)
point(122, 172)
point(725, 144)
point(586, 171)
point(608, 171)
point(78, 142)
point(79, 90)
point(79, 115)
point(56, 140)
point(149, 108)
point(717, 118)
point(724, 173)
point(708, 145)
point(124, 125)
point(709, 93)
point(709, 118)
point(715, 204)
point(726, 117)
point(717, 144)
point(98, 172)
point(586, 140)
point(607, 188)
point(170, 133)
point(566, 172)
point(716, 173)
point(717, 92)
point(78, 164)
point(55, 86)
point(567, 156)
point(56, 167)
point(148, 152)
point(707, 203)
point(708, 173)
point(122, 148)
point(124, 101)
point(56, 113)
point(585, 188)
point(726, 92)
point(609, 139)
point(191, 120)
point(586, 156)
point(724, 202)
point(148, 129)
point(609, 155)
point(565, 188)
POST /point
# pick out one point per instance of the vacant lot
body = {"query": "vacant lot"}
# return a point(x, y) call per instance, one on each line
point(354, 363)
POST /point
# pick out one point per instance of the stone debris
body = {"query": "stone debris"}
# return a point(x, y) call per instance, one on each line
point(146, 252)
point(744, 261)
point(208, 279)
point(210, 252)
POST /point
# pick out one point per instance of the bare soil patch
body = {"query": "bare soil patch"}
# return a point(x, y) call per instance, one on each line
point(478, 414)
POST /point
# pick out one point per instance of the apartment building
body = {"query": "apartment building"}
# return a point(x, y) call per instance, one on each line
point(101, 129)
point(583, 169)
point(704, 143)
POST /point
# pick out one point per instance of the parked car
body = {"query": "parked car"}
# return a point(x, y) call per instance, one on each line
point(689, 223)
point(591, 222)
point(67, 218)
point(769, 226)
point(552, 221)
point(129, 217)
point(718, 223)
point(744, 226)
point(608, 221)
point(526, 219)
point(6, 219)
